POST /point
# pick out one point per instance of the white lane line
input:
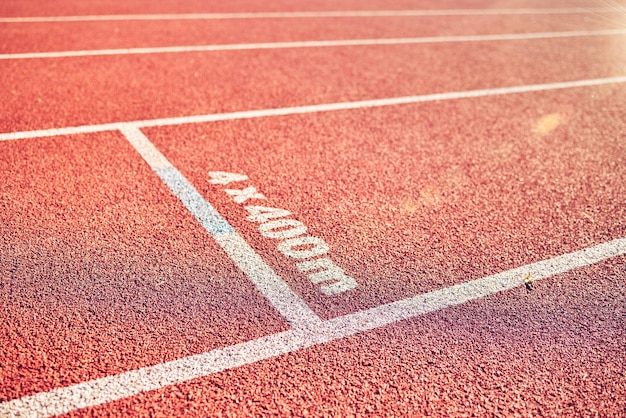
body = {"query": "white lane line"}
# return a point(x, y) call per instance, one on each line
point(328, 107)
point(311, 44)
point(76, 130)
point(286, 302)
point(299, 15)
point(145, 148)
point(111, 388)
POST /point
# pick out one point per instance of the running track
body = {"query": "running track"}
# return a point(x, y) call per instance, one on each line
point(313, 208)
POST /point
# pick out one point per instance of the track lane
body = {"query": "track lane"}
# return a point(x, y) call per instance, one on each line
point(82, 91)
point(105, 390)
point(62, 36)
point(447, 196)
point(508, 371)
point(103, 7)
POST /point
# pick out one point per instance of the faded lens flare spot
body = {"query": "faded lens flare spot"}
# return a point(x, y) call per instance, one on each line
point(548, 123)
point(409, 207)
point(456, 179)
point(447, 189)
point(503, 150)
point(429, 196)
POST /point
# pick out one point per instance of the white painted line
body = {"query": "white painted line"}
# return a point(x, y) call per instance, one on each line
point(321, 14)
point(77, 130)
point(111, 388)
point(312, 44)
point(458, 294)
point(294, 309)
point(297, 110)
point(145, 148)
point(206, 214)
point(286, 302)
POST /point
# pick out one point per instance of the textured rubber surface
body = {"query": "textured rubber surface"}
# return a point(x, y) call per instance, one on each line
point(87, 90)
point(104, 7)
point(20, 37)
point(103, 271)
point(556, 351)
point(455, 255)
point(418, 197)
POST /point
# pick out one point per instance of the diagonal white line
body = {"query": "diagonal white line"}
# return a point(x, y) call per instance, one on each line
point(328, 107)
point(324, 14)
point(311, 44)
point(111, 388)
point(269, 284)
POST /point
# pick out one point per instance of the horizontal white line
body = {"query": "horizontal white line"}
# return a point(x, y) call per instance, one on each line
point(310, 44)
point(291, 15)
point(249, 114)
point(111, 388)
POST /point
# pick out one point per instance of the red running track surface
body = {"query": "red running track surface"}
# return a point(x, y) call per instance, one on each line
point(117, 301)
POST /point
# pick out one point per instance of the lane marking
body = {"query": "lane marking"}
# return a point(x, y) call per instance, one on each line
point(85, 129)
point(311, 44)
point(299, 15)
point(107, 389)
point(295, 244)
point(297, 110)
point(206, 214)
point(288, 304)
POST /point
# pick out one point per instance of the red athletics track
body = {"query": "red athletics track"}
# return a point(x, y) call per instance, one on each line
point(556, 352)
point(103, 7)
point(102, 267)
point(86, 90)
point(105, 272)
point(418, 197)
point(62, 36)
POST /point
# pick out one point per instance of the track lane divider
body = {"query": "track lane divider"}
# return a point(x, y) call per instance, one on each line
point(321, 14)
point(298, 110)
point(111, 388)
point(310, 44)
point(288, 304)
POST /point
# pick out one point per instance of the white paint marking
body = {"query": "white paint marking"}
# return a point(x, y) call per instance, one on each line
point(145, 148)
point(297, 313)
point(329, 107)
point(286, 302)
point(243, 195)
point(76, 130)
point(111, 388)
point(276, 229)
point(206, 214)
point(320, 14)
point(327, 271)
point(303, 247)
point(289, 230)
point(458, 294)
point(311, 44)
point(263, 213)
point(223, 178)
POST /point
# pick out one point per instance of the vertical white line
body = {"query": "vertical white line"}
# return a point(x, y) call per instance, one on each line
point(290, 306)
